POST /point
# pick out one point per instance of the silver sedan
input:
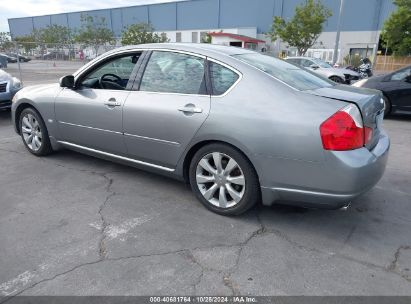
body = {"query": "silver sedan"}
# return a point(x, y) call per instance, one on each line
point(322, 68)
point(239, 126)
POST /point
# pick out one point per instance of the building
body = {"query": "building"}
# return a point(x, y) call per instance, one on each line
point(190, 21)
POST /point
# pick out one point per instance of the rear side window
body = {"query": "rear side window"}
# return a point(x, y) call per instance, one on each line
point(222, 78)
point(294, 76)
point(170, 72)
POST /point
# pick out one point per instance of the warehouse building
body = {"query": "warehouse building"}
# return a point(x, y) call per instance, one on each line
point(245, 22)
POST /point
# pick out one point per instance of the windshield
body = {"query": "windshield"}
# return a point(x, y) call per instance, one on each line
point(321, 63)
point(292, 75)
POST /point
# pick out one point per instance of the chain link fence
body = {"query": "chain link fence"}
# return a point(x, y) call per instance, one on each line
point(45, 63)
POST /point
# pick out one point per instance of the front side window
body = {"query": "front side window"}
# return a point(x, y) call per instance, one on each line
point(296, 77)
point(114, 74)
point(170, 72)
point(222, 78)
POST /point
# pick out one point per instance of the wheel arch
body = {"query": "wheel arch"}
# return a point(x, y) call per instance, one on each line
point(19, 109)
point(198, 145)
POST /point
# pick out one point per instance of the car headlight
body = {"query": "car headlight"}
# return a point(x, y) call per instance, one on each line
point(16, 83)
point(360, 83)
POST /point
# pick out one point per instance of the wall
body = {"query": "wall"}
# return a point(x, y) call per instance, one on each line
point(359, 15)
point(186, 35)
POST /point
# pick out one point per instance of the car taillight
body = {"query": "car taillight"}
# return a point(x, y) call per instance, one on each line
point(345, 130)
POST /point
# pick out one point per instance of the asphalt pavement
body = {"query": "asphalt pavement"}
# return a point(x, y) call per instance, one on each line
point(71, 224)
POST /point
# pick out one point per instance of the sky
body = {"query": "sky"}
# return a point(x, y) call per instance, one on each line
point(24, 8)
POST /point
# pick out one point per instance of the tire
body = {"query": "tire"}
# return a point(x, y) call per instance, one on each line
point(337, 79)
point(224, 192)
point(34, 133)
point(387, 106)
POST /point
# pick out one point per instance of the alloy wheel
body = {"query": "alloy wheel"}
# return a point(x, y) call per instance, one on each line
point(220, 180)
point(31, 131)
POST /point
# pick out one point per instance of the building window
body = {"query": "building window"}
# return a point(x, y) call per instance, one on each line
point(178, 37)
point(194, 37)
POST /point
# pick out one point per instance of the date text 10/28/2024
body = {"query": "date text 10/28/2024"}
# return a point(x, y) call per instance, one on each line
point(205, 299)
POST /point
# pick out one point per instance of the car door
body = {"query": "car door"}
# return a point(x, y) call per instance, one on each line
point(170, 105)
point(91, 114)
point(398, 89)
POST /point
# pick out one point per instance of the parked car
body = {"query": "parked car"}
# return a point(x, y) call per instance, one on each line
point(22, 58)
point(9, 58)
point(338, 75)
point(237, 125)
point(54, 55)
point(396, 89)
point(9, 86)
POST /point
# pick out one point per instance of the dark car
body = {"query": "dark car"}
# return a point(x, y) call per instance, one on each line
point(10, 59)
point(21, 57)
point(396, 88)
point(55, 55)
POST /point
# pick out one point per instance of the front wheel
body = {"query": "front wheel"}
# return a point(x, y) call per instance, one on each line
point(224, 180)
point(34, 132)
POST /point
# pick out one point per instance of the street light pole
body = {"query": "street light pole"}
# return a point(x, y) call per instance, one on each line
point(337, 38)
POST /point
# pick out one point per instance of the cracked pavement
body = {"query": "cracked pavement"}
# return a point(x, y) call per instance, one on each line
point(71, 224)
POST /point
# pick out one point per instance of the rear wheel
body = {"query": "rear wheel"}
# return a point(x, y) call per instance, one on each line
point(34, 132)
point(224, 180)
point(387, 106)
point(337, 79)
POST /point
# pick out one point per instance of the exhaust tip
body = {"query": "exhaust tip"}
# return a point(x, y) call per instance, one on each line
point(346, 207)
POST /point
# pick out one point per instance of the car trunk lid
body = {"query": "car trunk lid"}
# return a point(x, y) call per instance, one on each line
point(368, 101)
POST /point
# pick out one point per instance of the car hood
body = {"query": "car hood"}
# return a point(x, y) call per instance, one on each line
point(4, 76)
point(38, 91)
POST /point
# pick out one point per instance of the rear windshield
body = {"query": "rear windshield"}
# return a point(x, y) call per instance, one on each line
point(292, 75)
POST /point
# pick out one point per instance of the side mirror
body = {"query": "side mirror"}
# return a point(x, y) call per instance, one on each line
point(314, 66)
point(408, 79)
point(67, 81)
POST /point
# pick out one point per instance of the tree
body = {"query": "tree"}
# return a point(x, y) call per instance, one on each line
point(5, 42)
point(207, 38)
point(28, 42)
point(94, 32)
point(141, 33)
point(55, 34)
point(303, 30)
point(396, 32)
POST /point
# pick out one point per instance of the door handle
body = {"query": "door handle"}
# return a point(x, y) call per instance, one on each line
point(190, 108)
point(112, 103)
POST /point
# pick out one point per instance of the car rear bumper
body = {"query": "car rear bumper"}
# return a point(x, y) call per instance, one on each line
point(343, 176)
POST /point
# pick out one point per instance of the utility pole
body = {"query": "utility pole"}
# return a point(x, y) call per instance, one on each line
point(337, 38)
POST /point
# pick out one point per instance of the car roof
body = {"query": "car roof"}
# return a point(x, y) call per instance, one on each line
point(200, 48)
point(301, 57)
